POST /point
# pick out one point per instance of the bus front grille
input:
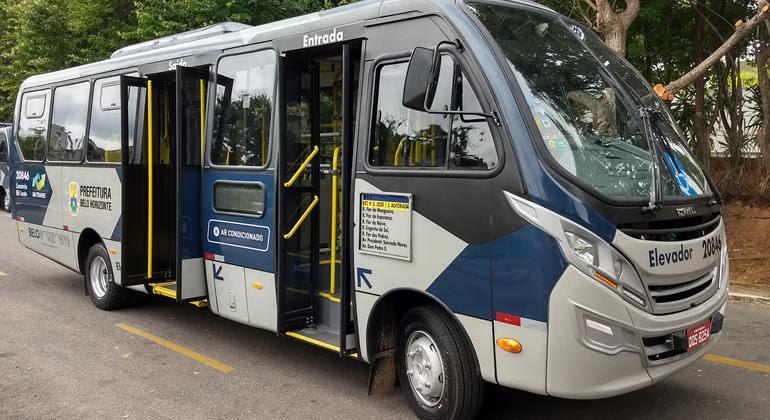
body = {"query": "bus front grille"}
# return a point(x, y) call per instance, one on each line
point(673, 230)
point(675, 297)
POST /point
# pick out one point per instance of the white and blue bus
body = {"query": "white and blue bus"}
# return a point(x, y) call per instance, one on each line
point(453, 192)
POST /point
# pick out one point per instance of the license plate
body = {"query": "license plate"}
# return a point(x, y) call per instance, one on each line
point(698, 335)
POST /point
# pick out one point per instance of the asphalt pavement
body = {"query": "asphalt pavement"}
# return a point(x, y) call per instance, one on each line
point(60, 357)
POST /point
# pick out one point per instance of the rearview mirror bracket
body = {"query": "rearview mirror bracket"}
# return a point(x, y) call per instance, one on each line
point(422, 78)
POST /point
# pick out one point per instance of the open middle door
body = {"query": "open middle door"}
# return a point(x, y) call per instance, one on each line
point(191, 85)
point(134, 173)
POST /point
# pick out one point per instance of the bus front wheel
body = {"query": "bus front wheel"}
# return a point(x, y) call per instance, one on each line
point(105, 294)
point(6, 201)
point(437, 367)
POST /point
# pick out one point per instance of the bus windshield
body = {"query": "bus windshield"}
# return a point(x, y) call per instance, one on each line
point(591, 126)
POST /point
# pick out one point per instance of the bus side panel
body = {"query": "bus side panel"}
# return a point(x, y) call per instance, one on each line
point(240, 252)
point(56, 244)
point(91, 199)
point(37, 200)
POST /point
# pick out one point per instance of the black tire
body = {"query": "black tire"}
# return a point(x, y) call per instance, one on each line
point(105, 295)
point(463, 388)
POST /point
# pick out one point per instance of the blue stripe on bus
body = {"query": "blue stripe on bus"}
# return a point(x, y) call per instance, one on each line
point(514, 274)
point(561, 201)
point(245, 257)
point(32, 207)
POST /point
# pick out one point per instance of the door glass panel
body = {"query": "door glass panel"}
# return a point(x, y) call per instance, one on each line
point(298, 144)
point(243, 108)
point(104, 129)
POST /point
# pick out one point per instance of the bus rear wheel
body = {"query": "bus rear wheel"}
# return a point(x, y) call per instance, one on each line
point(105, 294)
point(437, 367)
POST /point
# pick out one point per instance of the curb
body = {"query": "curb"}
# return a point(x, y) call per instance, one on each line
point(750, 298)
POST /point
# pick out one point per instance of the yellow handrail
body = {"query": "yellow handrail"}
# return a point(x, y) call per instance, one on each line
point(333, 239)
point(302, 218)
point(397, 161)
point(302, 167)
point(203, 119)
point(149, 179)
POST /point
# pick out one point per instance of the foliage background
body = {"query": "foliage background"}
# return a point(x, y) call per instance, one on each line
point(38, 36)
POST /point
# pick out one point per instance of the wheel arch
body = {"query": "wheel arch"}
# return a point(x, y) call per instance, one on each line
point(88, 238)
point(386, 313)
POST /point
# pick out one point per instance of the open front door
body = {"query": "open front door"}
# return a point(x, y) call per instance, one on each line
point(190, 107)
point(317, 114)
point(134, 235)
point(299, 190)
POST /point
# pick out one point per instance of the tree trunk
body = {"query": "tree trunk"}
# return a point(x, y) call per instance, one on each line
point(763, 134)
point(700, 127)
point(614, 25)
point(615, 38)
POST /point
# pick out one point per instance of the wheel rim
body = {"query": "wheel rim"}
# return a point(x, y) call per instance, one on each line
point(99, 277)
point(7, 202)
point(425, 368)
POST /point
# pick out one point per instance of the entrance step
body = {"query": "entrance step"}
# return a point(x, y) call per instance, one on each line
point(320, 337)
point(168, 289)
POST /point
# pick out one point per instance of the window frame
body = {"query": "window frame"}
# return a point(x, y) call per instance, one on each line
point(211, 118)
point(260, 184)
point(23, 114)
point(446, 171)
point(54, 87)
point(90, 117)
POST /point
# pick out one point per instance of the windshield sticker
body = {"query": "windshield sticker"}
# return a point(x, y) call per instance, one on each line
point(682, 179)
point(577, 31)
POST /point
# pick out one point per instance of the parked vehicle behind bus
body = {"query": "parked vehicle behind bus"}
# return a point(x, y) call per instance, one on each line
point(452, 192)
point(5, 195)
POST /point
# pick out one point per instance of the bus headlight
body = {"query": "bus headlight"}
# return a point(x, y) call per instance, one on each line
point(585, 250)
point(581, 247)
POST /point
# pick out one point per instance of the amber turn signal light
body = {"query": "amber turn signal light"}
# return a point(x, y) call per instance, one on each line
point(510, 345)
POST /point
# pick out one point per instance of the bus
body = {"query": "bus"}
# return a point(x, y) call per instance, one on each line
point(454, 192)
point(5, 197)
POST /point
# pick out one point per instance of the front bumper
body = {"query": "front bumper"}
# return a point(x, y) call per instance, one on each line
point(600, 346)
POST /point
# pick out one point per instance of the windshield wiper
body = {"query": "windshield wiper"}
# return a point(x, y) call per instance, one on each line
point(716, 195)
point(656, 194)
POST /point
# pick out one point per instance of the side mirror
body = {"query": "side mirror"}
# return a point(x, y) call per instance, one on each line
point(421, 79)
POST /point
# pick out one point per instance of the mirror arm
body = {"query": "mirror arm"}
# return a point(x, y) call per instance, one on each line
point(492, 116)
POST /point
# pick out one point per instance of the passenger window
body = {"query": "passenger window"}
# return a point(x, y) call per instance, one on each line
point(245, 85)
point(246, 199)
point(3, 149)
point(104, 131)
point(33, 125)
point(68, 122)
point(406, 138)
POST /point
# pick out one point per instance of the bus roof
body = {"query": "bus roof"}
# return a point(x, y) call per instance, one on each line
point(232, 34)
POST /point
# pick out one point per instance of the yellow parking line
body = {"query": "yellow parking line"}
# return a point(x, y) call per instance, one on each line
point(184, 351)
point(2, 274)
point(729, 361)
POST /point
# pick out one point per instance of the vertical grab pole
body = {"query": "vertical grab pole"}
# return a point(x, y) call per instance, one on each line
point(150, 163)
point(333, 239)
point(203, 119)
